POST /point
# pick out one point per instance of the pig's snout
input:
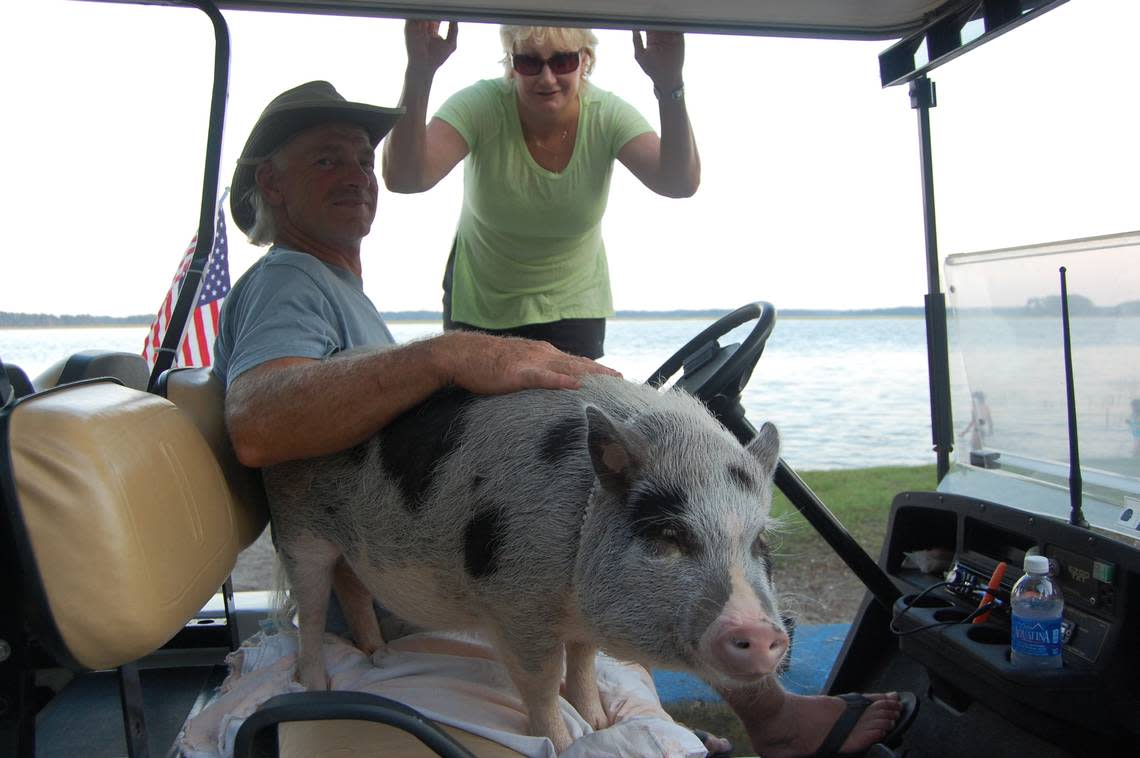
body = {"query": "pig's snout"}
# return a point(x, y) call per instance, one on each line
point(751, 648)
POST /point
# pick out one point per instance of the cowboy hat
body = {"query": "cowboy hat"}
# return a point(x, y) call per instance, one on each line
point(310, 104)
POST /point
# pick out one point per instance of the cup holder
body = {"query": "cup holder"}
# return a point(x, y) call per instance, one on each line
point(950, 615)
point(988, 635)
point(926, 601)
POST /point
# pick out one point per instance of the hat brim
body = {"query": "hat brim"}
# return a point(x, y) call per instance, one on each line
point(274, 130)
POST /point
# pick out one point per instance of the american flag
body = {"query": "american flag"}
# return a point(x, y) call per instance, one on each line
point(197, 346)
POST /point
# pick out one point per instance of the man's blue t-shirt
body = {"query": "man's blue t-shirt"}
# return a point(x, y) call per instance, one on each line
point(293, 305)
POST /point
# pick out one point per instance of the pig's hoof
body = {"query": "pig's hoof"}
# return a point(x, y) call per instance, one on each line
point(314, 682)
point(373, 648)
point(595, 717)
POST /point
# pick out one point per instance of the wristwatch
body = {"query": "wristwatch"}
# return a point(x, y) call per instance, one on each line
point(677, 94)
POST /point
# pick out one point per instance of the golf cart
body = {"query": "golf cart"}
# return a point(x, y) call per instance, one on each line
point(124, 510)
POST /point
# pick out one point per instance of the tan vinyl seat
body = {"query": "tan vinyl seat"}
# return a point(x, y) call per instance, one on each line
point(118, 506)
point(345, 738)
point(129, 368)
point(125, 503)
point(200, 394)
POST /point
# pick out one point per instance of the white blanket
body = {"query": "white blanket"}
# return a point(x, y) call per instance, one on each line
point(451, 678)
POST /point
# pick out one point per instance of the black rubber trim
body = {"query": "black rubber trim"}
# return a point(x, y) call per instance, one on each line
point(257, 737)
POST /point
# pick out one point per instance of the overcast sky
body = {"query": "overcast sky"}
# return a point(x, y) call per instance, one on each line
point(810, 189)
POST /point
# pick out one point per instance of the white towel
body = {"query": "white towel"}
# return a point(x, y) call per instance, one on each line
point(452, 678)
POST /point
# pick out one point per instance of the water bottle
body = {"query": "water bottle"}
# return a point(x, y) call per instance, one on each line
point(1036, 606)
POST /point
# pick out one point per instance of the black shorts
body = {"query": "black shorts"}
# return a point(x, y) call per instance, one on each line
point(578, 336)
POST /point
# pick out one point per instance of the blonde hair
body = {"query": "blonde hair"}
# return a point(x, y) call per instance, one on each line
point(567, 39)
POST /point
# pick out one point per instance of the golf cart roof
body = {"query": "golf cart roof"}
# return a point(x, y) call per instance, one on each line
point(841, 19)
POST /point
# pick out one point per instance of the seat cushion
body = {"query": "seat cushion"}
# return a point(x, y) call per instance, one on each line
point(127, 522)
point(130, 369)
point(201, 396)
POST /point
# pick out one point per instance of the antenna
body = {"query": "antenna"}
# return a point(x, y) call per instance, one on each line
point(1076, 516)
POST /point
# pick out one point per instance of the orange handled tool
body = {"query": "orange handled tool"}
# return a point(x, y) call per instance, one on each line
point(991, 592)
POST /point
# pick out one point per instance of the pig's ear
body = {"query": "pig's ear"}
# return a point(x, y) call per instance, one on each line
point(765, 447)
point(610, 451)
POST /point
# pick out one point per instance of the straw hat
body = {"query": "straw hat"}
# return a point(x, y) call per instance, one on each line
point(310, 104)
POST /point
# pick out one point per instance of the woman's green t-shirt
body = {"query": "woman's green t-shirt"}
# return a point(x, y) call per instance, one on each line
point(529, 244)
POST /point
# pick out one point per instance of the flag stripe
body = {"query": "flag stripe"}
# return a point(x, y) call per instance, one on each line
point(197, 345)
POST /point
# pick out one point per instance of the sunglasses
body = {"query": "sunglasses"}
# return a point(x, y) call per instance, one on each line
point(560, 63)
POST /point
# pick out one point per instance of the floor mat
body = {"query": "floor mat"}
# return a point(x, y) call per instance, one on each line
point(86, 717)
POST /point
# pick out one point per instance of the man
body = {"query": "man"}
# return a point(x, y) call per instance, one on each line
point(305, 183)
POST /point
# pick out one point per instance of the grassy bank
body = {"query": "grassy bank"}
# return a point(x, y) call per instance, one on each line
point(859, 498)
point(815, 586)
point(813, 583)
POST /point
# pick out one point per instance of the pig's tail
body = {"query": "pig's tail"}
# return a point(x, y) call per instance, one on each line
point(281, 603)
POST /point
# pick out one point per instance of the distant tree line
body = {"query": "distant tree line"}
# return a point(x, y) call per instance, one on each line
point(8, 319)
point(1050, 305)
point(1079, 305)
point(83, 319)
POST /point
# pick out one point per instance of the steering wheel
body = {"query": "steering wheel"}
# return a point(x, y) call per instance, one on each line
point(709, 368)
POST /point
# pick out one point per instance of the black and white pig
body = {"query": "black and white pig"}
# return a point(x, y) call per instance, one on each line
point(614, 517)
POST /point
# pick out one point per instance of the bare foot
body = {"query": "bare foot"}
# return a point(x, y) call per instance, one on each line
point(784, 725)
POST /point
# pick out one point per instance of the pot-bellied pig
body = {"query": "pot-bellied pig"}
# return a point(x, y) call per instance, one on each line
point(614, 517)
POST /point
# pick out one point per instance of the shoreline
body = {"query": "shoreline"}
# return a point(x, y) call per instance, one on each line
point(664, 316)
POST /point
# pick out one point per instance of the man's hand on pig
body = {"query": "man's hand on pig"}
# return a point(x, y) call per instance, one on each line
point(490, 365)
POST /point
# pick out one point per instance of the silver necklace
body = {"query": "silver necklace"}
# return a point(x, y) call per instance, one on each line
point(557, 148)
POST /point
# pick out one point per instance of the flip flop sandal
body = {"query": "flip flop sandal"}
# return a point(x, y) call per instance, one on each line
point(856, 705)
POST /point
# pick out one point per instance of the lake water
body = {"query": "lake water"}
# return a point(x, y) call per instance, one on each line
point(845, 392)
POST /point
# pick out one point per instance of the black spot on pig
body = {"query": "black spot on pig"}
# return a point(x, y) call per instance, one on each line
point(742, 477)
point(477, 482)
point(564, 437)
point(483, 543)
point(651, 501)
point(413, 444)
point(357, 456)
point(657, 512)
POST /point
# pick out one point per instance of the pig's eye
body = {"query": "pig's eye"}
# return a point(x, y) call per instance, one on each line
point(666, 543)
point(760, 547)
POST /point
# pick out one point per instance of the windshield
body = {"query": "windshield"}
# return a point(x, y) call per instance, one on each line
point(1008, 376)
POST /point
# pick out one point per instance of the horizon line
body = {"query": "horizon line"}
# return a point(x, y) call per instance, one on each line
point(10, 318)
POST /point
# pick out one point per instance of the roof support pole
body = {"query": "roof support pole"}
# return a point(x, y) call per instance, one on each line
point(188, 294)
point(922, 99)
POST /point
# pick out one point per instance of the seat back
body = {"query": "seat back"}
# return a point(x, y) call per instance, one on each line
point(115, 508)
point(130, 369)
point(202, 397)
point(14, 383)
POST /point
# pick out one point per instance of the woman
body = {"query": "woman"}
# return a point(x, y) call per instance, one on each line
point(528, 257)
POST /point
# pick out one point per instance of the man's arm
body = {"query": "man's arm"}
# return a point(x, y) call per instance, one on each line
point(293, 408)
